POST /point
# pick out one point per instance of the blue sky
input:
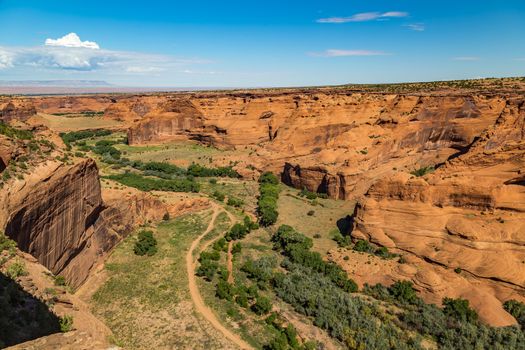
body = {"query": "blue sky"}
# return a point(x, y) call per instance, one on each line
point(260, 43)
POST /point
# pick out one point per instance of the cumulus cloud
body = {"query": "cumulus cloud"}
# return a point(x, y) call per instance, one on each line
point(466, 58)
point(72, 40)
point(70, 53)
point(343, 53)
point(364, 17)
point(418, 27)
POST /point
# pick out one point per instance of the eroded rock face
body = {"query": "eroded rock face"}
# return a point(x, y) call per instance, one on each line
point(468, 215)
point(16, 109)
point(56, 218)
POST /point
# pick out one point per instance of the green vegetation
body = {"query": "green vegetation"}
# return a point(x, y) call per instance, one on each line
point(66, 323)
point(235, 202)
point(267, 203)
point(296, 247)
point(453, 327)
point(423, 171)
point(218, 195)
point(146, 244)
point(16, 269)
point(59, 281)
point(198, 170)
point(312, 195)
point(517, 310)
point(239, 231)
point(74, 136)
point(11, 132)
point(148, 184)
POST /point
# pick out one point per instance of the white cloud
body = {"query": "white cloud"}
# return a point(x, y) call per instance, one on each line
point(69, 53)
point(72, 40)
point(364, 17)
point(345, 53)
point(418, 27)
point(466, 58)
point(142, 69)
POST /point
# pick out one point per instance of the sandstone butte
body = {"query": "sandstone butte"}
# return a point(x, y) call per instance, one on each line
point(468, 214)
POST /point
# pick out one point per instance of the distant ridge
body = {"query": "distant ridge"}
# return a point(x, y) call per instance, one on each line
point(55, 83)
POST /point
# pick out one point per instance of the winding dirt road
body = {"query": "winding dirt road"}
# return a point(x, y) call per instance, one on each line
point(200, 306)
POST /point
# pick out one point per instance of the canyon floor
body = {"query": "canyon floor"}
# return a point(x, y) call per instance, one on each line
point(356, 217)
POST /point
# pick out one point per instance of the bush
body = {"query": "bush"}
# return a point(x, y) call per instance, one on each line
point(262, 306)
point(236, 248)
point(7, 244)
point(220, 244)
point(235, 202)
point(60, 281)
point(517, 310)
point(363, 246)
point(66, 323)
point(422, 171)
point(198, 170)
point(459, 309)
point(207, 269)
point(146, 244)
point(268, 178)
point(16, 269)
point(225, 290)
point(310, 213)
point(403, 291)
point(218, 196)
point(166, 217)
point(214, 255)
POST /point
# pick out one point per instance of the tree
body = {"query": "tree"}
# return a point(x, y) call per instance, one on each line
point(459, 309)
point(146, 244)
point(403, 291)
point(262, 306)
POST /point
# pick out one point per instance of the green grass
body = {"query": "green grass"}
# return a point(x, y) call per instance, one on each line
point(145, 300)
point(293, 211)
point(182, 154)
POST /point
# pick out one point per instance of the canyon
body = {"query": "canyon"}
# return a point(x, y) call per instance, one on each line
point(437, 176)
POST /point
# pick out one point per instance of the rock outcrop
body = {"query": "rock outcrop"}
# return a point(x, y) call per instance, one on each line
point(55, 215)
point(469, 215)
point(16, 109)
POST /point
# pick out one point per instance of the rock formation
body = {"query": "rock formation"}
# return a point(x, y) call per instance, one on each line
point(469, 215)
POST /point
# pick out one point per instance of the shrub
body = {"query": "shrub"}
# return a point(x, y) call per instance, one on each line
point(422, 171)
point(7, 244)
point(166, 216)
point(310, 213)
point(146, 244)
point(214, 255)
point(220, 244)
point(269, 178)
point(213, 181)
point(459, 309)
point(16, 269)
point(66, 323)
point(224, 290)
point(363, 246)
point(236, 248)
point(218, 196)
point(235, 202)
point(262, 306)
point(207, 269)
point(403, 291)
point(517, 310)
point(60, 281)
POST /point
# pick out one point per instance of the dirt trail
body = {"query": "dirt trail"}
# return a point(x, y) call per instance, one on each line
point(230, 263)
point(200, 306)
